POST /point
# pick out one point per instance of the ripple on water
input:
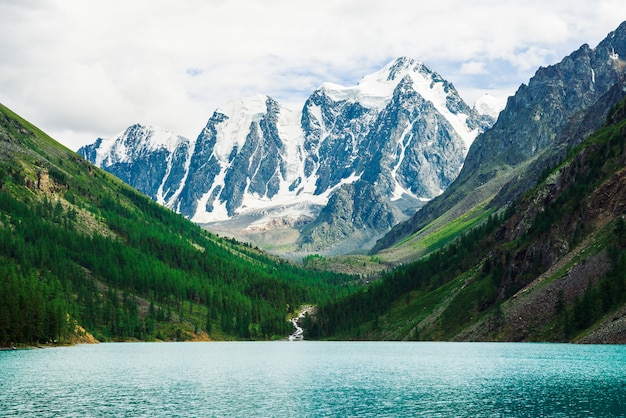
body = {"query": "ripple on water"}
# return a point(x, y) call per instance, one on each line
point(314, 379)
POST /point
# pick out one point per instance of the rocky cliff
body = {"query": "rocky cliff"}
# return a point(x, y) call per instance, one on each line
point(531, 134)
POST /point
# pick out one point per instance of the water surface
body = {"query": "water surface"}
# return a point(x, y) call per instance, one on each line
point(312, 379)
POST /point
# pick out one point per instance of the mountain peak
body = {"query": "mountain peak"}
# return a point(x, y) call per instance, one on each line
point(401, 66)
point(401, 133)
point(532, 132)
point(375, 91)
point(153, 136)
point(241, 116)
point(252, 105)
point(133, 139)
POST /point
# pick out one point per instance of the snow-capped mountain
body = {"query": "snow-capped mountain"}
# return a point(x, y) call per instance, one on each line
point(559, 106)
point(351, 163)
point(153, 160)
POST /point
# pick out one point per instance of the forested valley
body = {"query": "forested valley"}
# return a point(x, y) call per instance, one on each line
point(82, 252)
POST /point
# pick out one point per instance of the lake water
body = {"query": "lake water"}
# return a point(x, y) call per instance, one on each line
point(315, 379)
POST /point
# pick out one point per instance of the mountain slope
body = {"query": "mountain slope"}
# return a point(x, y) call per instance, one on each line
point(400, 135)
point(549, 269)
point(530, 135)
point(78, 246)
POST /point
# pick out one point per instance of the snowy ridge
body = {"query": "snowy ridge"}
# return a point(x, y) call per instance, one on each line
point(152, 159)
point(395, 140)
point(136, 139)
point(376, 91)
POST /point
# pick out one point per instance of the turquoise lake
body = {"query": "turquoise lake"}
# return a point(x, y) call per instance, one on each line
point(315, 379)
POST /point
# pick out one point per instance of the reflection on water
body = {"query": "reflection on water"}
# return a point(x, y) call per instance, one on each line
point(315, 379)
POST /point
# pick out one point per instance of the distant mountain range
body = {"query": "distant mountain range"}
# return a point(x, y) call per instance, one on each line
point(330, 178)
point(526, 243)
point(367, 166)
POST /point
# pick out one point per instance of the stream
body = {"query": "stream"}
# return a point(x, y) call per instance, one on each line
point(298, 334)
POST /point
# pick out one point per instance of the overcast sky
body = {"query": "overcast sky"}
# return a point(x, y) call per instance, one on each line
point(82, 69)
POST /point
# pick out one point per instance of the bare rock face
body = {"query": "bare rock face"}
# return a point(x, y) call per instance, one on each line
point(43, 181)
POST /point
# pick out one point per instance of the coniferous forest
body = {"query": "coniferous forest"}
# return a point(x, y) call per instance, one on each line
point(79, 248)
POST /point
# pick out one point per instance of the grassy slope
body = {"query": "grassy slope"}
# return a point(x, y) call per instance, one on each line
point(470, 211)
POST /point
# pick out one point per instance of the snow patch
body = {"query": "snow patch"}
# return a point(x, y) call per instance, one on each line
point(235, 129)
point(405, 140)
point(160, 196)
point(219, 212)
point(292, 136)
point(290, 205)
point(104, 150)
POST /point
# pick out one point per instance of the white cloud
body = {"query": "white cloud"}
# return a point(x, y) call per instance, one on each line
point(473, 68)
point(80, 69)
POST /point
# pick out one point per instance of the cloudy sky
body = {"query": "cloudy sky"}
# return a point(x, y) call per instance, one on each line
point(81, 69)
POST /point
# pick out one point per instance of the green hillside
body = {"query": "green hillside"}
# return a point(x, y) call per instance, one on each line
point(79, 248)
point(549, 267)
